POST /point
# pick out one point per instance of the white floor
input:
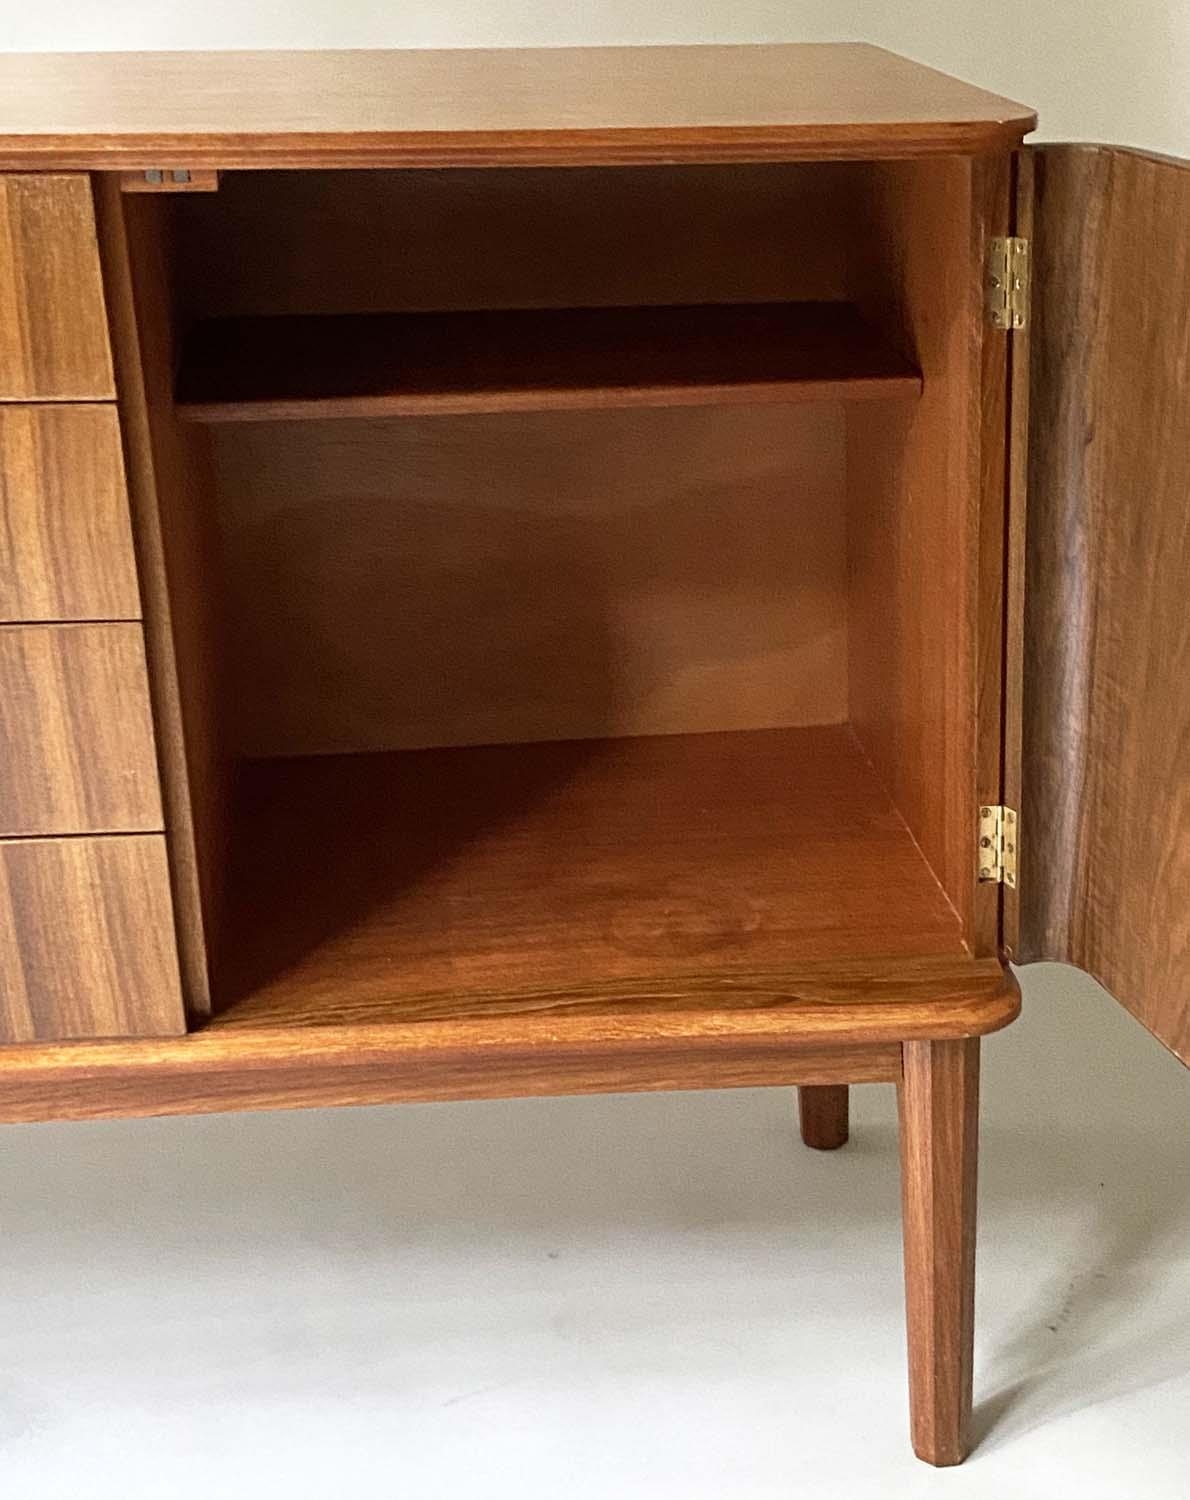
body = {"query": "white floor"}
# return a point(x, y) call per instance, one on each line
point(643, 1296)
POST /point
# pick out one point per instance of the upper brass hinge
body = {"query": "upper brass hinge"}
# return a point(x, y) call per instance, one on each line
point(1007, 288)
point(998, 844)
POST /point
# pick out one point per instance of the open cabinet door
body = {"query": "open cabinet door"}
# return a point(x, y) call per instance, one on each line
point(1105, 825)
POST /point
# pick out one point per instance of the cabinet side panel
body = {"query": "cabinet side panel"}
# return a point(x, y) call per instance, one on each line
point(1106, 766)
point(913, 479)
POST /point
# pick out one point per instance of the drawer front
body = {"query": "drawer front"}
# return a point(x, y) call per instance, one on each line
point(76, 734)
point(64, 517)
point(87, 945)
point(53, 327)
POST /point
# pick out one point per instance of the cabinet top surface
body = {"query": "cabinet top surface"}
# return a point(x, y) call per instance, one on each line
point(537, 106)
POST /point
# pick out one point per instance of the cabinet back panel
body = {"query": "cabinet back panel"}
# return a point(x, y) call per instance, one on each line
point(482, 580)
point(301, 242)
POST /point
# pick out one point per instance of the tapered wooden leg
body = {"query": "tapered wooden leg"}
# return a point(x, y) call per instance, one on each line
point(822, 1111)
point(939, 1109)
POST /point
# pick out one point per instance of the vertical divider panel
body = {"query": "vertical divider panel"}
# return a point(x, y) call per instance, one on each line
point(170, 496)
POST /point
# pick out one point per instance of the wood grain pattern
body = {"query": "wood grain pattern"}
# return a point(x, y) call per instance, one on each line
point(834, 1026)
point(1106, 817)
point(207, 1074)
point(811, 1002)
point(67, 543)
point(456, 107)
point(524, 578)
point(76, 731)
point(414, 364)
point(823, 1116)
point(86, 942)
point(53, 330)
point(170, 490)
point(361, 879)
point(913, 478)
point(939, 1113)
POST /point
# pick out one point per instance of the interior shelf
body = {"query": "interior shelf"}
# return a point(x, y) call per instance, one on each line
point(438, 884)
point(285, 366)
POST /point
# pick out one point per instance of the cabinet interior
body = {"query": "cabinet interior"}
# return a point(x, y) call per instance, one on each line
point(522, 647)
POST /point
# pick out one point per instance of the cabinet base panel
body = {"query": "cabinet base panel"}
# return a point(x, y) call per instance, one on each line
point(797, 1029)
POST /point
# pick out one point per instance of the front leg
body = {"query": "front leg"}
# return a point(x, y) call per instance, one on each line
point(939, 1114)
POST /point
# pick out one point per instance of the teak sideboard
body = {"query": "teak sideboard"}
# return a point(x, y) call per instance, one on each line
point(516, 581)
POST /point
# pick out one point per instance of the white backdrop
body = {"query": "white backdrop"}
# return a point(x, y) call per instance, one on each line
point(1118, 73)
point(652, 1296)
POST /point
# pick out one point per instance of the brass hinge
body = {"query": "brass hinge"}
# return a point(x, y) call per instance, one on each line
point(1008, 282)
point(998, 843)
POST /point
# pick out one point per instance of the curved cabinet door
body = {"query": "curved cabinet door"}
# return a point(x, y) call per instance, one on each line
point(1105, 827)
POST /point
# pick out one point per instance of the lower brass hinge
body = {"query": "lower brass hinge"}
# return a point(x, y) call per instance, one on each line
point(998, 843)
point(1007, 289)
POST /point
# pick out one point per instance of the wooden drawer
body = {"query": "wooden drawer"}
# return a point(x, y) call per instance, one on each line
point(64, 516)
point(76, 733)
point(87, 945)
point(53, 327)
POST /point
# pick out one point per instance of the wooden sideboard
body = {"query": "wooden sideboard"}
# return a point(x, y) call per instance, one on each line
point(516, 581)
